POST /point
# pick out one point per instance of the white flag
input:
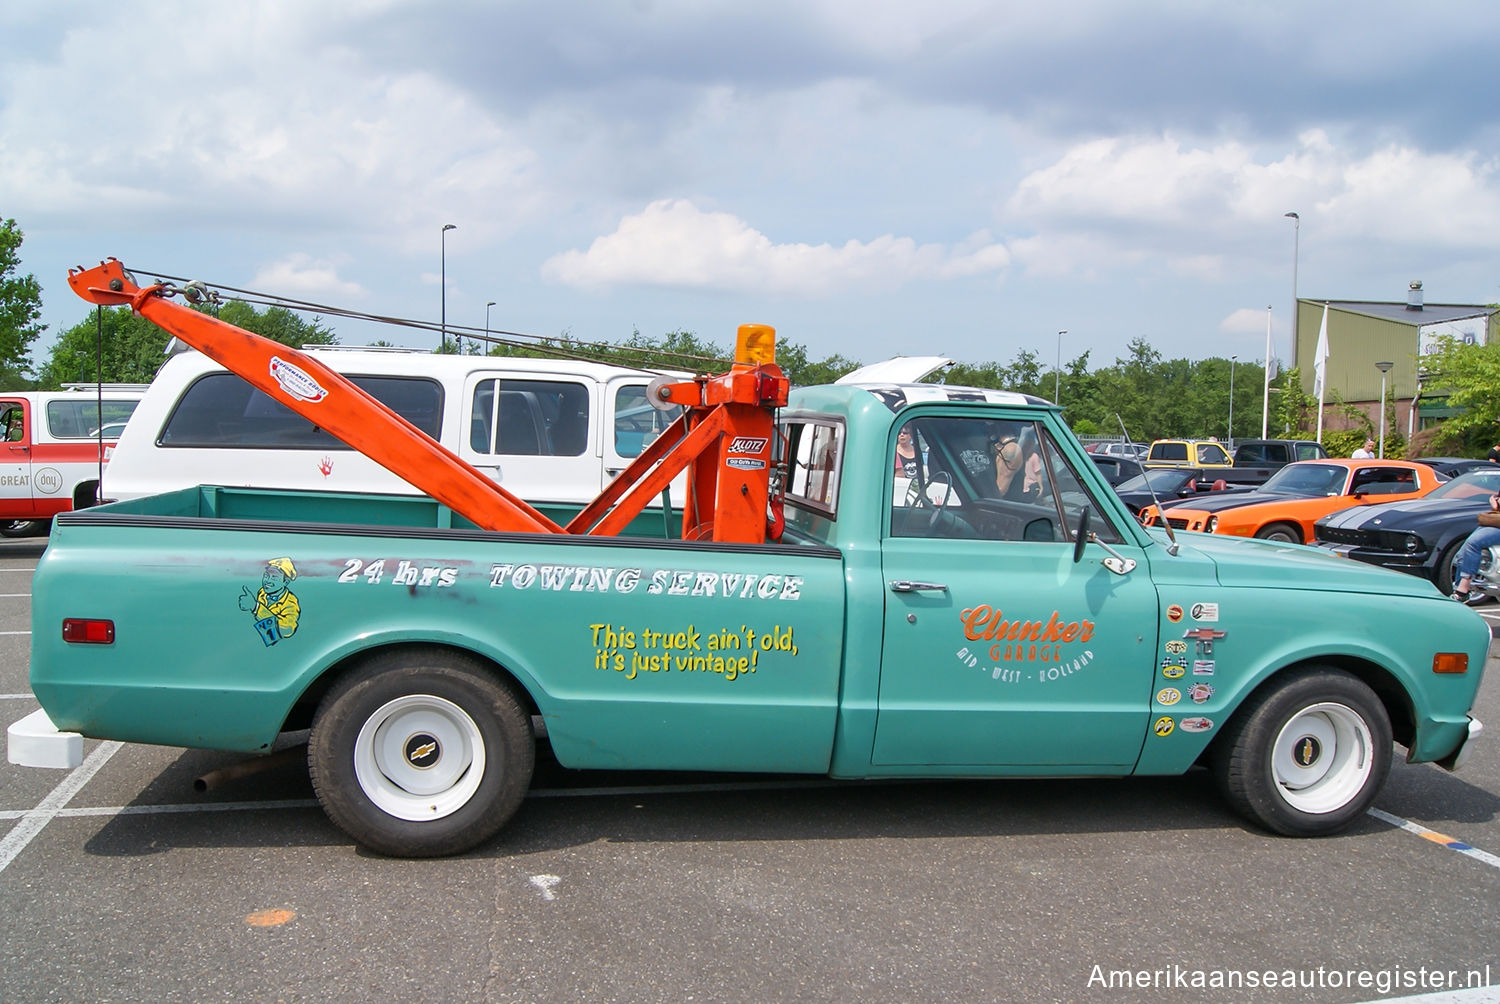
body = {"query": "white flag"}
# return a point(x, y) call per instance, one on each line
point(1271, 368)
point(1320, 358)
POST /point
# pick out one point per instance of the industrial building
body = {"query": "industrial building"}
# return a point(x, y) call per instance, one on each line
point(1364, 333)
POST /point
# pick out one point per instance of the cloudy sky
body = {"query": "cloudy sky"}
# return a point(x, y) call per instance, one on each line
point(872, 177)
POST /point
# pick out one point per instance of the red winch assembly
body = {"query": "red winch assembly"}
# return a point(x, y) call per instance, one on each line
point(723, 438)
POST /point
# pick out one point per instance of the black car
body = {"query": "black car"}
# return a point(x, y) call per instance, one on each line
point(1171, 485)
point(1419, 536)
point(1116, 469)
point(1452, 467)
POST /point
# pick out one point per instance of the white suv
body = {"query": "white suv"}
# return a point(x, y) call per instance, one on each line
point(548, 430)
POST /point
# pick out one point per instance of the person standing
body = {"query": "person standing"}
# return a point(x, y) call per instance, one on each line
point(1366, 452)
point(1466, 562)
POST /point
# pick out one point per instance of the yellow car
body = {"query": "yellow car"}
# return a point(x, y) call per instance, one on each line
point(1188, 453)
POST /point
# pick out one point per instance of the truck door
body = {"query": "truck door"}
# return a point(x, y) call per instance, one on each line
point(16, 492)
point(998, 648)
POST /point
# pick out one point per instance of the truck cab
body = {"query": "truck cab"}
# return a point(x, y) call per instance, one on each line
point(55, 442)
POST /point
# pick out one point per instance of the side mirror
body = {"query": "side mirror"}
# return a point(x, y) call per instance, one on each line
point(1083, 534)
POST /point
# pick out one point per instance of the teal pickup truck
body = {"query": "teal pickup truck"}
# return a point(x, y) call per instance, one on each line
point(956, 593)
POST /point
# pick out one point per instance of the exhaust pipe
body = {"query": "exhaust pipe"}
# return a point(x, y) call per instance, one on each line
point(214, 778)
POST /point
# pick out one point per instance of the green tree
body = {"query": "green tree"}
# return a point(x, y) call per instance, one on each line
point(20, 310)
point(1470, 374)
point(134, 348)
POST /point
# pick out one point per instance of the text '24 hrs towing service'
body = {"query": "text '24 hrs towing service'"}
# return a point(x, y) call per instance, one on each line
point(825, 611)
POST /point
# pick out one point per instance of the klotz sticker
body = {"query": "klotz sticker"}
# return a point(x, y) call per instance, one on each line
point(1168, 696)
point(1200, 692)
point(1197, 724)
point(1205, 612)
point(1163, 726)
point(1176, 646)
point(747, 444)
point(1174, 613)
point(1173, 670)
point(296, 381)
point(1203, 667)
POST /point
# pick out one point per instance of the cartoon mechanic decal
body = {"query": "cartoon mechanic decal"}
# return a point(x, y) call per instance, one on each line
point(275, 607)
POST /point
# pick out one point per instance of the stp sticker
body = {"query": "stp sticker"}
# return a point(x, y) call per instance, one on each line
point(1168, 696)
point(1197, 724)
point(1174, 613)
point(1163, 726)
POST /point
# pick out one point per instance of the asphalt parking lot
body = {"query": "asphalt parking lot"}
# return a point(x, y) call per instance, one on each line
point(119, 881)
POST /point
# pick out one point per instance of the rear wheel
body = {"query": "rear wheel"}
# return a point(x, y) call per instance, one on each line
point(22, 527)
point(1283, 533)
point(420, 753)
point(1307, 755)
point(1445, 566)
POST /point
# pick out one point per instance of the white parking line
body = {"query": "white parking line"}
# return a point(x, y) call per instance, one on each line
point(7, 633)
point(17, 697)
point(1441, 839)
point(34, 820)
point(13, 596)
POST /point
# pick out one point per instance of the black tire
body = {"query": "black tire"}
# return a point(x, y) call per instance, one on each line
point(1306, 754)
point(427, 704)
point(22, 527)
point(1445, 566)
point(1281, 533)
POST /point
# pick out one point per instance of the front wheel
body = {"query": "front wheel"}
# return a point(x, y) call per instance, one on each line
point(1306, 756)
point(1281, 533)
point(420, 753)
point(21, 527)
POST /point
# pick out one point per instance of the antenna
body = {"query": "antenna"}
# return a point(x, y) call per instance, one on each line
point(1172, 546)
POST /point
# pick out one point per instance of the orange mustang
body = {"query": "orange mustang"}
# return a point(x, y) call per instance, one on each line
point(1297, 496)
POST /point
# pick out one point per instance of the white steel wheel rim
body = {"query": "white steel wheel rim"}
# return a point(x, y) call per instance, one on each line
point(1323, 757)
point(399, 771)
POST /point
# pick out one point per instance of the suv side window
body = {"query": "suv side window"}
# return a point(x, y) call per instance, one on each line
point(637, 421)
point(1169, 451)
point(220, 410)
point(530, 418)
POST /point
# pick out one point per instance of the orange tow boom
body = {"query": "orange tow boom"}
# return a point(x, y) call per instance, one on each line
point(723, 437)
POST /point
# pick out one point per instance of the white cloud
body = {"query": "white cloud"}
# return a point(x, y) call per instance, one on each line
point(301, 277)
point(674, 243)
point(1245, 321)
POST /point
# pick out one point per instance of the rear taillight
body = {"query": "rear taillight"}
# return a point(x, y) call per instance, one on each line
point(88, 631)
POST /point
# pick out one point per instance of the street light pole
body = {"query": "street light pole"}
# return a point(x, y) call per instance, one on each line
point(1232, 361)
point(487, 307)
point(1057, 375)
point(1296, 239)
point(1384, 368)
point(443, 281)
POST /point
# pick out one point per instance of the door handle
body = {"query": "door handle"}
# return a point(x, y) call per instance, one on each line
point(908, 586)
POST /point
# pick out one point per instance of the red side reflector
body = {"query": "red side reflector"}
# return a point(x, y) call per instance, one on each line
point(1450, 662)
point(89, 631)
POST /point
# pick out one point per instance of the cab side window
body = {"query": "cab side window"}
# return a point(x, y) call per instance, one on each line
point(991, 480)
point(14, 423)
point(637, 421)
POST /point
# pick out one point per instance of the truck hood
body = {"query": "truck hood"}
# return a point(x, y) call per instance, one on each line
point(1407, 514)
point(1241, 561)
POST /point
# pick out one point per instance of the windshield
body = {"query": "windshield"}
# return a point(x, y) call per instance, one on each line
point(1161, 479)
point(1470, 485)
point(1308, 479)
